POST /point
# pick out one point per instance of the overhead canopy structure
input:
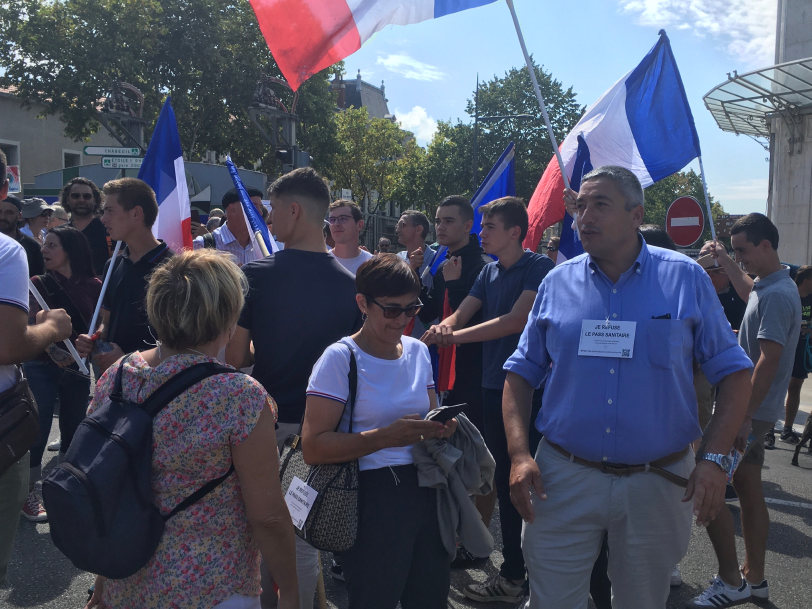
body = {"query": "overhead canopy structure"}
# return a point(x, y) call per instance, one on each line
point(745, 103)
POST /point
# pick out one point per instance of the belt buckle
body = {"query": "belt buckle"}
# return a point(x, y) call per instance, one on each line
point(616, 469)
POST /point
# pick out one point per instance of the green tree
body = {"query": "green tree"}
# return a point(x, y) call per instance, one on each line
point(661, 195)
point(206, 54)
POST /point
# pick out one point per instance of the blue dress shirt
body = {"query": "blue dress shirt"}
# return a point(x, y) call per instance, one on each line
point(626, 410)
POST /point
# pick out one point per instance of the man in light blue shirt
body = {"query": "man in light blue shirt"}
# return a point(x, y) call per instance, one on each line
point(614, 333)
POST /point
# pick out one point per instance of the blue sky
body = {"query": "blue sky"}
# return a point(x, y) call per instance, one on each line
point(430, 68)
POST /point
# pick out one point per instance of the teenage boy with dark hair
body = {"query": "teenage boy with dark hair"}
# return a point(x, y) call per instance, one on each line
point(130, 209)
point(769, 335)
point(449, 287)
point(82, 199)
point(504, 292)
point(300, 301)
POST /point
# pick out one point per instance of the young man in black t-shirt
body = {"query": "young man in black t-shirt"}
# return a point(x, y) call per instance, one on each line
point(300, 301)
point(82, 199)
point(130, 210)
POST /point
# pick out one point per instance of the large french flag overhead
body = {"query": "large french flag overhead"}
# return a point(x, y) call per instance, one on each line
point(163, 170)
point(307, 36)
point(643, 123)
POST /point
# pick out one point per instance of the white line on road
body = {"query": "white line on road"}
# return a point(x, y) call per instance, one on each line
point(807, 506)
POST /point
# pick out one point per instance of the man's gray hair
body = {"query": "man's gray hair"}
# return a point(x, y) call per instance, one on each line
point(625, 180)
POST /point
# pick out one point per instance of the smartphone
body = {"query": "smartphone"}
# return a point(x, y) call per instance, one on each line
point(444, 414)
point(195, 216)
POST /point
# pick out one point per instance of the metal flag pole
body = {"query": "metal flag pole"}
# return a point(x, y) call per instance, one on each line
point(92, 328)
point(68, 344)
point(532, 71)
point(707, 200)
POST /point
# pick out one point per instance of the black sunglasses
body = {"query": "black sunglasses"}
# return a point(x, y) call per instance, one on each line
point(81, 195)
point(395, 312)
point(552, 249)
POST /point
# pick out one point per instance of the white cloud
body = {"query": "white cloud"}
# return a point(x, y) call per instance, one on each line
point(746, 28)
point(418, 122)
point(409, 67)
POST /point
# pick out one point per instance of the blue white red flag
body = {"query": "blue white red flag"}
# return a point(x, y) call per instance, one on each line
point(643, 123)
point(163, 170)
point(253, 219)
point(500, 182)
point(307, 36)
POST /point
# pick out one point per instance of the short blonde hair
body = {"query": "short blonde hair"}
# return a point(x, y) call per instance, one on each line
point(195, 297)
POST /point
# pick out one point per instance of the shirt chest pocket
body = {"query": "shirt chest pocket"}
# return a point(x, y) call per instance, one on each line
point(664, 341)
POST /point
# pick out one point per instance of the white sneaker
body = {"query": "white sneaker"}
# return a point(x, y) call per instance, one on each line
point(676, 577)
point(719, 594)
point(761, 590)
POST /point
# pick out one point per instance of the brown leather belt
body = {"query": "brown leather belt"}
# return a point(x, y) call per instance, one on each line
point(621, 469)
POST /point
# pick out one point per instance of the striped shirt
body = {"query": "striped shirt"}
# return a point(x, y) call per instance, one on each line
point(227, 242)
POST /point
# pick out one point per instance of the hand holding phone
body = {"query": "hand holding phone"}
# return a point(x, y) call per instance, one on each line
point(444, 414)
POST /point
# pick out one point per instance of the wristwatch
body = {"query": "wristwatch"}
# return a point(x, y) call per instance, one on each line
point(723, 461)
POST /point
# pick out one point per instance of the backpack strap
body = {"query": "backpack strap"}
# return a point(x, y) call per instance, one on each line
point(179, 383)
point(116, 394)
point(200, 493)
point(209, 242)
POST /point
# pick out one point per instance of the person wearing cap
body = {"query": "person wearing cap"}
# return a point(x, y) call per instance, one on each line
point(36, 215)
point(11, 213)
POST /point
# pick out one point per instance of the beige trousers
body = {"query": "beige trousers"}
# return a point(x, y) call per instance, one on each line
point(648, 533)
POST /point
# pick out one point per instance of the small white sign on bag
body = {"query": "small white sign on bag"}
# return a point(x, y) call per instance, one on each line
point(300, 498)
point(601, 338)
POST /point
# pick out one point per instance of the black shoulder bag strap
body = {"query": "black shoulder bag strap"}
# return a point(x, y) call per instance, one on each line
point(167, 392)
point(353, 378)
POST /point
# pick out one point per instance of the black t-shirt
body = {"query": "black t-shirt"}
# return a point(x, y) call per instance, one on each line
point(298, 304)
point(101, 246)
point(128, 326)
point(33, 251)
point(734, 307)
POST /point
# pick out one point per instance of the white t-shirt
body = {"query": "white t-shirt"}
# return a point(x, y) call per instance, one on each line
point(13, 292)
point(352, 264)
point(387, 391)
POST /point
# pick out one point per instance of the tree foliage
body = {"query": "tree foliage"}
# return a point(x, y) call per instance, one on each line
point(662, 194)
point(207, 54)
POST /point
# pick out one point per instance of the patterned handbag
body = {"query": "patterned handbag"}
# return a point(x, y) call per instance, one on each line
point(332, 524)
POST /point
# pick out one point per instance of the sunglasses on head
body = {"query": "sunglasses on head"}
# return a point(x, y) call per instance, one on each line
point(395, 312)
point(81, 195)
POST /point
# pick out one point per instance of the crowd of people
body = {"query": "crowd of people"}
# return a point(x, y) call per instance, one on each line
point(603, 397)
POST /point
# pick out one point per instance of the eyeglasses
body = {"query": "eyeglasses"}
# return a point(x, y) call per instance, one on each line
point(81, 195)
point(552, 249)
point(333, 220)
point(395, 312)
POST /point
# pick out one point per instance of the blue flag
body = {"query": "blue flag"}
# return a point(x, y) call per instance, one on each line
point(252, 216)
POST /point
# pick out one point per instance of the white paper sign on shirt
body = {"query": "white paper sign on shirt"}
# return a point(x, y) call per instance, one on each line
point(300, 498)
point(601, 338)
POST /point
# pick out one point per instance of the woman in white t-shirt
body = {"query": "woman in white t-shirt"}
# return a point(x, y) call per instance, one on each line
point(398, 556)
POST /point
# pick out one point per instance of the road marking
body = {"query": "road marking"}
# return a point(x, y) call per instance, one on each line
point(807, 506)
point(690, 221)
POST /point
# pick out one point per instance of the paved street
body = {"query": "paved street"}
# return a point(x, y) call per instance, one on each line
point(40, 576)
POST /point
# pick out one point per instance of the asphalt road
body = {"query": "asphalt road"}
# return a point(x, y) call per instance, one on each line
point(39, 576)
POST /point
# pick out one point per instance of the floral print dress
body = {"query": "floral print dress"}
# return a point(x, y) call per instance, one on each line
point(207, 552)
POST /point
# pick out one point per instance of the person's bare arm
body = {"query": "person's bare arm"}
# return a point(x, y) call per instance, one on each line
point(504, 325)
point(238, 351)
point(257, 465)
point(21, 342)
point(706, 485)
point(740, 280)
point(441, 333)
point(525, 477)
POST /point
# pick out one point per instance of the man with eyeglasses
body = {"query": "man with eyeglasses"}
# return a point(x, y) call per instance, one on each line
point(82, 199)
point(11, 209)
point(346, 223)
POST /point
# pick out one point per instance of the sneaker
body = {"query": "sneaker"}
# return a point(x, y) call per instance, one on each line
point(676, 577)
point(769, 440)
point(465, 560)
point(336, 572)
point(497, 590)
point(761, 590)
point(33, 509)
point(54, 446)
point(789, 436)
point(730, 493)
point(719, 594)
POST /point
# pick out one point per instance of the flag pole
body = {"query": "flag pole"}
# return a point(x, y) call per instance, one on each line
point(33, 289)
point(707, 199)
point(92, 328)
point(532, 72)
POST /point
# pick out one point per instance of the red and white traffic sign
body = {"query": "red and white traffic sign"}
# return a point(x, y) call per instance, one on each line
point(685, 221)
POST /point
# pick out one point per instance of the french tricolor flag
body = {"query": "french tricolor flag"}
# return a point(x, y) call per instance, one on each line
point(643, 123)
point(163, 170)
point(307, 36)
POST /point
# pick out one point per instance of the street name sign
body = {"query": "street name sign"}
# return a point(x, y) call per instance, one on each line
point(685, 221)
point(120, 162)
point(111, 151)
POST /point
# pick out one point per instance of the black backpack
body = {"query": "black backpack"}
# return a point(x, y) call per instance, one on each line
point(99, 499)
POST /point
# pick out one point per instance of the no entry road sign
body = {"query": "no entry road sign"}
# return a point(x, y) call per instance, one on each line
point(685, 221)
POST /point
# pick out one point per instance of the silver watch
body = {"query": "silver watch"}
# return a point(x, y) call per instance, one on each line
point(723, 461)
